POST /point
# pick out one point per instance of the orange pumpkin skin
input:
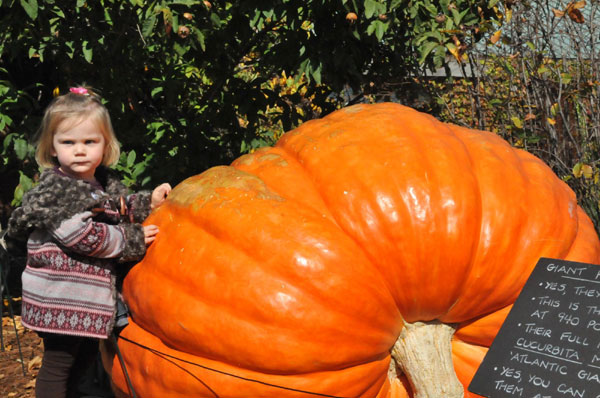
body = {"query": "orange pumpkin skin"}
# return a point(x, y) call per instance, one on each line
point(298, 265)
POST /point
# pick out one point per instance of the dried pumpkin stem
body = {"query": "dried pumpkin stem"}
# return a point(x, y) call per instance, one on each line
point(423, 352)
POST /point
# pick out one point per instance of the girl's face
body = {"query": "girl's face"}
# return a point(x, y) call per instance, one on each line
point(79, 147)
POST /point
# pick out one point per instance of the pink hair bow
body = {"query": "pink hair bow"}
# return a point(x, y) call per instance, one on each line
point(79, 90)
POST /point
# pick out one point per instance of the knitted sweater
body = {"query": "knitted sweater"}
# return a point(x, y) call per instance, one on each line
point(77, 234)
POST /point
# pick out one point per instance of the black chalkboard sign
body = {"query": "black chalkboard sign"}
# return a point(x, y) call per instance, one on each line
point(549, 344)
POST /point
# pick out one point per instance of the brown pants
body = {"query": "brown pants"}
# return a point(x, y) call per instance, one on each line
point(66, 360)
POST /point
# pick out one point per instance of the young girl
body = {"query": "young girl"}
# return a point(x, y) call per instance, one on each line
point(80, 223)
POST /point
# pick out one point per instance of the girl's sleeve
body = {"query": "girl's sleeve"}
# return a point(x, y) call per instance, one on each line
point(82, 235)
point(138, 206)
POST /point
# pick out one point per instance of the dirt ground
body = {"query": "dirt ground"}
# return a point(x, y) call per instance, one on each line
point(13, 384)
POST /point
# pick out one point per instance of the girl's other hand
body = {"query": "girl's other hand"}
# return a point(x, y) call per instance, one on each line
point(150, 232)
point(159, 195)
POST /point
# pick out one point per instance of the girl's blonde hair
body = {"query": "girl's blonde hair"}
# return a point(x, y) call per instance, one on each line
point(78, 105)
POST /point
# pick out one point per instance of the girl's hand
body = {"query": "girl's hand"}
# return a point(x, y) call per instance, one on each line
point(150, 232)
point(159, 195)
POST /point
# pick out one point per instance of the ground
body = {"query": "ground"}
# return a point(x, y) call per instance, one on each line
point(13, 384)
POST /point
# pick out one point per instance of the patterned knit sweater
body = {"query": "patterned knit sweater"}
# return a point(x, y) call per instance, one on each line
point(77, 234)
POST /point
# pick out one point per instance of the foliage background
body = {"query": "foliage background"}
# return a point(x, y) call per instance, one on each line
point(192, 84)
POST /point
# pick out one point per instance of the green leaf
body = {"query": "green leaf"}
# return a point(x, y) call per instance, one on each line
point(431, 8)
point(200, 38)
point(215, 20)
point(130, 159)
point(17, 196)
point(370, 7)
point(138, 169)
point(186, 2)
point(373, 7)
point(25, 184)
point(156, 90)
point(87, 51)
point(371, 28)
point(5, 120)
point(577, 170)
point(158, 135)
point(31, 8)
point(254, 22)
point(435, 34)
point(175, 23)
point(107, 17)
point(380, 29)
point(426, 49)
point(456, 16)
point(268, 13)
point(303, 67)
point(71, 50)
point(192, 72)
point(58, 12)
point(7, 141)
point(21, 147)
point(180, 50)
point(148, 26)
point(316, 74)
point(517, 122)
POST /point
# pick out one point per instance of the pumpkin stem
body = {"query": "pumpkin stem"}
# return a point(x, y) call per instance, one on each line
point(423, 352)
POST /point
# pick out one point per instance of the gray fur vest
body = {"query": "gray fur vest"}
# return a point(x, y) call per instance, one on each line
point(57, 198)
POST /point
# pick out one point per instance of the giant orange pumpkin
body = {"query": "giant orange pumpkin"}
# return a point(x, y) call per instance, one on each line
point(374, 252)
